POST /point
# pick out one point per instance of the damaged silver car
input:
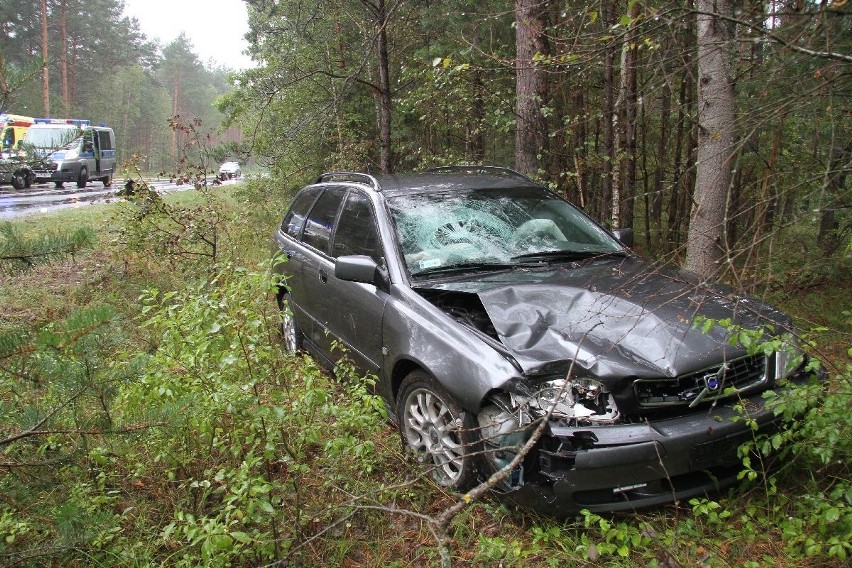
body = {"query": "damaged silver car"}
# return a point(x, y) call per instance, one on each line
point(486, 306)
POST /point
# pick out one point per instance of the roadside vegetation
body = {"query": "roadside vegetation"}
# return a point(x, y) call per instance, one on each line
point(149, 416)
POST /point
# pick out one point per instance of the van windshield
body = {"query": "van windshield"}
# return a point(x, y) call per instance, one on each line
point(50, 137)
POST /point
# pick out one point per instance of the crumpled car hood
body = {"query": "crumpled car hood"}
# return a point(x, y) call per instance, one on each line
point(618, 318)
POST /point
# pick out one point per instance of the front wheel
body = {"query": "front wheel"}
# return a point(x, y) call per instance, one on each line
point(437, 431)
point(18, 180)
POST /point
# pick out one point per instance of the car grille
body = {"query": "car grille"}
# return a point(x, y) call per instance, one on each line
point(708, 384)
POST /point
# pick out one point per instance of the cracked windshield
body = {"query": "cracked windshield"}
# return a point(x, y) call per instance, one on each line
point(446, 230)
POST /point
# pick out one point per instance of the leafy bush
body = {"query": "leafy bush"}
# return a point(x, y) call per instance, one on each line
point(213, 439)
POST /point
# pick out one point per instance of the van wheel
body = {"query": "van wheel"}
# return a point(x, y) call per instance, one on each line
point(83, 179)
point(107, 181)
point(18, 180)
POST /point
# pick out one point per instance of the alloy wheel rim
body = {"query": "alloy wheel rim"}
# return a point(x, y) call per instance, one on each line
point(432, 432)
point(288, 330)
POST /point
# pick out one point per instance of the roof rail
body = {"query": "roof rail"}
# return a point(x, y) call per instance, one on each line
point(351, 177)
point(472, 169)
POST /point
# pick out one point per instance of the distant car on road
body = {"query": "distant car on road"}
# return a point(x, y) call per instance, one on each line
point(229, 170)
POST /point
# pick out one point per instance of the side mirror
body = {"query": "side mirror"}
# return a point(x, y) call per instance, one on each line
point(358, 268)
point(624, 236)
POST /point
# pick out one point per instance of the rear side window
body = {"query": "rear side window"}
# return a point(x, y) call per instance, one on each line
point(356, 230)
point(295, 217)
point(320, 222)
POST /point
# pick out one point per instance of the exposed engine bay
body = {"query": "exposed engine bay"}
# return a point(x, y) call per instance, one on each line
point(465, 308)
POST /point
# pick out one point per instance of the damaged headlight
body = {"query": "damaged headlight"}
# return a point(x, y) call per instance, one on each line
point(508, 419)
point(584, 401)
point(579, 402)
point(788, 359)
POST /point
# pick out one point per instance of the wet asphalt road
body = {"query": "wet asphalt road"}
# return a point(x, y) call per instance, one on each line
point(45, 198)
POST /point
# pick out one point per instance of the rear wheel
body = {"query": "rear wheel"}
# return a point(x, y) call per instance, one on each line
point(83, 179)
point(290, 332)
point(59, 184)
point(29, 179)
point(437, 431)
point(107, 181)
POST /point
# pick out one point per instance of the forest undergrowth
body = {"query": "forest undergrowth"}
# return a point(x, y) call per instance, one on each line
point(149, 417)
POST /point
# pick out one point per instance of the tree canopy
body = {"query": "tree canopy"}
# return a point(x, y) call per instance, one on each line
point(116, 76)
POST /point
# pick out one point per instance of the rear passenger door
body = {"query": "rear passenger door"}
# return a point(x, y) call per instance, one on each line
point(297, 255)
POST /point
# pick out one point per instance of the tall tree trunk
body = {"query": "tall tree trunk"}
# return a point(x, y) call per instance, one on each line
point(580, 175)
point(530, 84)
point(5, 87)
point(675, 216)
point(660, 166)
point(632, 107)
point(45, 76)
point(704, 252)
point(384, 94)
point(63, 55)
point(477, 137)
point(609, 116)
point(175, 117)
point(624, 180)
point(73, 73)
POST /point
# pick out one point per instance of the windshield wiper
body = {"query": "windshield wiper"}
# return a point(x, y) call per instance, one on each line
point(464, 267)
point(567, 255)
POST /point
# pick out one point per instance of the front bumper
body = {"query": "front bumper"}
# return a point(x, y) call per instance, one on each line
point(636, 466)
point(59, 173)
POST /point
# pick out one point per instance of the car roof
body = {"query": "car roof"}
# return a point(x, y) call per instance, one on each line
point(436, 180)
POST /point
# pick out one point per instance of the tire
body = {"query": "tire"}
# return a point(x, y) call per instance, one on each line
point(59, 184)
point(18, 180)
point(83, 179)
point(29, 179)
point(290, 332)
point(107, 181)
point(437, 431)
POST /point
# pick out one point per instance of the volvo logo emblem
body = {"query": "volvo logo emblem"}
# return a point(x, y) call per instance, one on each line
point(712, 384)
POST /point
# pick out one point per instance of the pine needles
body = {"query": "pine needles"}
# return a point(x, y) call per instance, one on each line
point(18, 252)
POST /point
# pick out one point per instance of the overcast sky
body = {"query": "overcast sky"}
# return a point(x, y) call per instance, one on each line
point(215, 27)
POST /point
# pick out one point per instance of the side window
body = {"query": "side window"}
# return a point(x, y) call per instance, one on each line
point(295, 217)
point(87, 142)
point(356, 230)
point(104, 140)
point(320, 220)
